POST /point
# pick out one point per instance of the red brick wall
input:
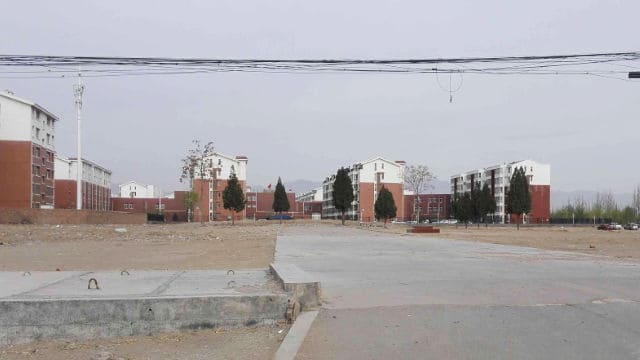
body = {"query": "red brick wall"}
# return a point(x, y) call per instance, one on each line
point(66, 216)
point(397, 190)
point(65, 194)
point(94, 197)
point(15, 172)
point(174, 209)
point(221, 214)
point(366, 201)
point(42, 176)
point(540, 205)
point(428, 212)
point(265, 205)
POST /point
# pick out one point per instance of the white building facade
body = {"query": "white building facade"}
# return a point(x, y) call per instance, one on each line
point(134, 189)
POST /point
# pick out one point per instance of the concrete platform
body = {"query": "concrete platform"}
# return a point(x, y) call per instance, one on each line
point(60, 304)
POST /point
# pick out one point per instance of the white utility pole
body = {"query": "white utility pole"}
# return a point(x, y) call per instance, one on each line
point(78, 90)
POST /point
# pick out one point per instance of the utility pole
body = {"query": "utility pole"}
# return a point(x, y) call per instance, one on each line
point(79, 90)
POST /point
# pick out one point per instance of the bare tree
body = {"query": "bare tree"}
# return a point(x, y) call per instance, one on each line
point(417, 178)
point(194, 165)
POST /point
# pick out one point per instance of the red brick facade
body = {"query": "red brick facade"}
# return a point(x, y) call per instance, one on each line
point(27, 178)
point(94, 197)
point(264, 208)
point(540, 206)
point(173, 209)
point(434, 207)
point(207, 211)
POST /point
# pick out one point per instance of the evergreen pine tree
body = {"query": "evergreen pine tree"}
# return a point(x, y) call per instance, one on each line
point(385, 206)
point(488, 202)
point(280, 200)
point(518, 196)
point(477, 204)
point(233, 196)
point(461, 208)
point(342, 192)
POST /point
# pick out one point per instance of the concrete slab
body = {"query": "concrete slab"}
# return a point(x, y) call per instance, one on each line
point(303, 287)
point(398, 296)
point(59, 304)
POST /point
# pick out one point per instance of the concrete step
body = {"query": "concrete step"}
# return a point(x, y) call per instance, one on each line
point(60, 304)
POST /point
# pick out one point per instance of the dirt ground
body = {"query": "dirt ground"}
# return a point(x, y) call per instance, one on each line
point(246, 343)
point(623, 244)
point(150, 247)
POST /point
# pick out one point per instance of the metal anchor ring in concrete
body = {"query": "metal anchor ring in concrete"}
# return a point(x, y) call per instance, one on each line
point(93, 280)
point(124, 272)
point(231, 284)
point(231, 272)
point(26, 273)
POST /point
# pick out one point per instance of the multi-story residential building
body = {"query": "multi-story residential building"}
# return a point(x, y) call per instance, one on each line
point(498, 178)
point(96, 185)
point(134, 189)
point(27, 151)
point(218, 169)
point(433, 207)
point(367, 177)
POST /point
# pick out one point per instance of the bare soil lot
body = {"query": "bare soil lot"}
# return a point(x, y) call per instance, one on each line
point(246, 343)
point(107, 247)
point(624, 244)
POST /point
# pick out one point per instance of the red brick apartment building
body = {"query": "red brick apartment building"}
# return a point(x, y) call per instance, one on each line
point(218, 169)
point(96, 185)
point(368, 177)
point(27, 152)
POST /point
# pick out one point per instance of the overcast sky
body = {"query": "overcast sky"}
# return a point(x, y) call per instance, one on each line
point(304, 126)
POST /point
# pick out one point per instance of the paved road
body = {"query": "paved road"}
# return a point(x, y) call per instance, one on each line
point(392, 296)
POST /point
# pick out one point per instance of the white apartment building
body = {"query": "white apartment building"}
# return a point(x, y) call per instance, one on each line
point(27, 151)
point(498, 178)
point(367, 178)
point(134, 189)
point(313, 195)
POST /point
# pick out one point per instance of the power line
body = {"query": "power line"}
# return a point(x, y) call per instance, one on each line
point(47, 66)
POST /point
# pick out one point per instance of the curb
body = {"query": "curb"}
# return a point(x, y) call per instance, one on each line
point(296, 335)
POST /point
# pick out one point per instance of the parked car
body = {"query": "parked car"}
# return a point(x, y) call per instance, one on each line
point(631, 226)
point(611, 226)
point(280, 217)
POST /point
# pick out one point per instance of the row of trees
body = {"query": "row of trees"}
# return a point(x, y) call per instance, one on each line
point(604, 206)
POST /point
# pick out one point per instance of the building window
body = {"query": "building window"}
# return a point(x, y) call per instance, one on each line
point(382, 166)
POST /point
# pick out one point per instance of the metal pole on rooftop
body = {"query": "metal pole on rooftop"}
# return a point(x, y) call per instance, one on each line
point(78, 90)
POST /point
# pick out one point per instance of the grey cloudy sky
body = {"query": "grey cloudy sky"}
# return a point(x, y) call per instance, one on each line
point(304, 126)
